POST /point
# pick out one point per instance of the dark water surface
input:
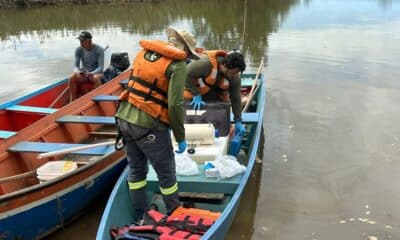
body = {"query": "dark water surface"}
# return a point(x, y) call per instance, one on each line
point(330, 166)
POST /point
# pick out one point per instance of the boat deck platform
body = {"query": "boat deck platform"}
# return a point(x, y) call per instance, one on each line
point(199, 183)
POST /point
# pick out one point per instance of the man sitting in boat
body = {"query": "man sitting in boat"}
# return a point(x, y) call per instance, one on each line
point(216, 77)
point(153, 103)
point(88, 76)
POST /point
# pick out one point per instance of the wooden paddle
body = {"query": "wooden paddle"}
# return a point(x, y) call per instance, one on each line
point(254, 89)
point(18, 177)
point(59, 97)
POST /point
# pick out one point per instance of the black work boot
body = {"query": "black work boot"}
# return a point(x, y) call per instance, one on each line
point(139, 203)
point(172, 202)
point(154, 206)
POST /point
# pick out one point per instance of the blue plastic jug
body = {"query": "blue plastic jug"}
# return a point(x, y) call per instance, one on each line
point(235, 145)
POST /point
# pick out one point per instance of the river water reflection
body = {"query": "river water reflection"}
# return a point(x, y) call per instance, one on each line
point(330, 163)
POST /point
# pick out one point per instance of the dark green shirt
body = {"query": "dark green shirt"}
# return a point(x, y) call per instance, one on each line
point(202, 69)
point(176, 74)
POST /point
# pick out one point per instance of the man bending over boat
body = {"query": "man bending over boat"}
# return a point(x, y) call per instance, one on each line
point(152, 104)
point(88, 76)
point(216, 76)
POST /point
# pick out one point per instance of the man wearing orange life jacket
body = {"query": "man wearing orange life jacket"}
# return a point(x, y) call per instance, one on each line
point(153, 103)
point(216, 76)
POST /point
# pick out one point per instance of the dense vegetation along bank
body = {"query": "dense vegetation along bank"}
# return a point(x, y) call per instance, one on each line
point(37, 3)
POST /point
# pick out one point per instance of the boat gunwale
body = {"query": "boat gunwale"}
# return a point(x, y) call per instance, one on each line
point(249, 168)
point(27, 96)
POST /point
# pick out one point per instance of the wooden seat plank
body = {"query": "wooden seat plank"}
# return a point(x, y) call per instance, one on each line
point(101, 98)
point(6, 134)
point(246, 118)
point(43, 147)
point(21, 108)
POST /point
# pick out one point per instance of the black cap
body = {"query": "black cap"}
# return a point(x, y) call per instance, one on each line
point(84, 36)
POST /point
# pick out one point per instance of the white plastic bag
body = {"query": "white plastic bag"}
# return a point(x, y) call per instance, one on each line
point(185, 165)
point(228, 166)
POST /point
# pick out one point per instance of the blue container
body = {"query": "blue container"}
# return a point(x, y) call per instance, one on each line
point(235, 145)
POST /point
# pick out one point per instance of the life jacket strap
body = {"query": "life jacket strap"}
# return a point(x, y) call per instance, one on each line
point(179, 233)
point(152, 87)
point(147, 97)
point(195, 226)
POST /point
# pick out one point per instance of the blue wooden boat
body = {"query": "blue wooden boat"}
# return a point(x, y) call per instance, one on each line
point(23, 111)
point(27, 109)
point(118, 211)
point(31, 208)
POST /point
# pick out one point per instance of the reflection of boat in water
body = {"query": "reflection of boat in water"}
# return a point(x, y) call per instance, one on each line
point(31, 207)
point(119, 210)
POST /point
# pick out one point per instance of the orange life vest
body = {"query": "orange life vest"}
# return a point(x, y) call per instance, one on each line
point(151, 232)
point(147, 86)
point(210, 82)
point(202, 213)
point(188, 224)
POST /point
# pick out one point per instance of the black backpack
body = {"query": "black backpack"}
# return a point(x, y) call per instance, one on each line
point(119, 63)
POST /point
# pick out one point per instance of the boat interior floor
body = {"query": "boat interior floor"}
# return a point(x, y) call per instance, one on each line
point(204, 192)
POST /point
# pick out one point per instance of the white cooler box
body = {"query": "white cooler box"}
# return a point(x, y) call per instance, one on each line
point(205, 153)
point(201, 137)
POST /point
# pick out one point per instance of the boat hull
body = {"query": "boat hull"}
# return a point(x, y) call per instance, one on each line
point(41, 217)
point(30, 209)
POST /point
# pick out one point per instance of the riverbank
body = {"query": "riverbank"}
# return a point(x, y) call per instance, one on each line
point(4, 4)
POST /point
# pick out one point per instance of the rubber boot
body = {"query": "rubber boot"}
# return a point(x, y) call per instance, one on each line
point(171, 202)
point(139, 203)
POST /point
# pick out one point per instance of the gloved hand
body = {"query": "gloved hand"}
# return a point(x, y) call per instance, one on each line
point(197, 102)
point(181, 146)
point(239, 128)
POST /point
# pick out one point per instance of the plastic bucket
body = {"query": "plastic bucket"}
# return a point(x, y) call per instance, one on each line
point(54, 169)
